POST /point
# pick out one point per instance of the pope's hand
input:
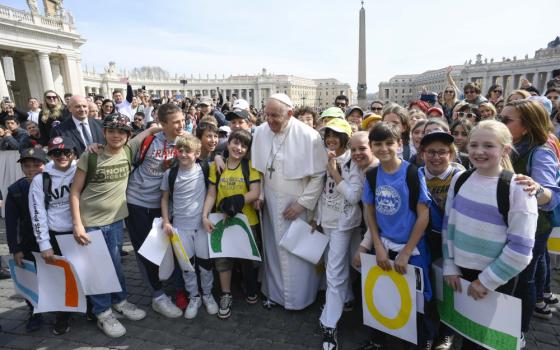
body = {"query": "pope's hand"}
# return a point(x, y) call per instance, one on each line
point(293, 211)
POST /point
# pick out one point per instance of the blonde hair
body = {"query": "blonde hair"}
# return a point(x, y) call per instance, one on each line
point(522, 93)
point(189, 143)
point(535, 119)
point(53, 113)
point(503, 137)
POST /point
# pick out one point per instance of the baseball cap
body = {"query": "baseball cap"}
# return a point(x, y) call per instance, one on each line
point(437, 135)
point(332, 112)
point(224, 128)
point(435, 109)
point(240, 104)
point(206, 101)
point(338, 125)
point(237, 113)
point(60, 142)
point(117, 121)
point(33, 153)
point(354, 108)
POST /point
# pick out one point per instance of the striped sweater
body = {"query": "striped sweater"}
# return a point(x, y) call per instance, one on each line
point(476, 237)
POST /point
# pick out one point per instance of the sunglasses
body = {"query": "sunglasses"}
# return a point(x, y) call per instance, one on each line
point(51, 97)
point(498, 91)
point(340, 104)
point(60, 152)
point(466, 115)
point(450, 92)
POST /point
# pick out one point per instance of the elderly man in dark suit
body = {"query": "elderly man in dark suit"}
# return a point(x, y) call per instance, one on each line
point(82, 130)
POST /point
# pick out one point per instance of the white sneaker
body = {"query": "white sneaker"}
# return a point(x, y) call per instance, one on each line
point(107, 322)
point(129, 310)
point(192, 310)
point(163, 305)
point(210, 304)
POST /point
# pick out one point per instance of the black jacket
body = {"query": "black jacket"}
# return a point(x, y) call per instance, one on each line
point(19, 231)
point(68, 128)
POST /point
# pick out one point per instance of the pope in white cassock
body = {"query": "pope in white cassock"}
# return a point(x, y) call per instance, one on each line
point(292, 158)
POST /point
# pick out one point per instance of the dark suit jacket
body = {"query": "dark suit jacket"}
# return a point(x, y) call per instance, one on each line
point(68, 128)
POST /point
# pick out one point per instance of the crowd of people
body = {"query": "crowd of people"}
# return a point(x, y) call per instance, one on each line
point(405, 181)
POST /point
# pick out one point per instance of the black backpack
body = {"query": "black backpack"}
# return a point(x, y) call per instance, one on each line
point(502, 191)
point(412, 182)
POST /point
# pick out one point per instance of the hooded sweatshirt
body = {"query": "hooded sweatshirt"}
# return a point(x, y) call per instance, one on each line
point(57, 218)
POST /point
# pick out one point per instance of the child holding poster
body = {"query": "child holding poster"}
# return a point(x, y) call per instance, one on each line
point(19, 230)
point(185, 187)
point(233, 192)
point(488, 234)
point(396, 204)
point(49, 204)
point(98, 202)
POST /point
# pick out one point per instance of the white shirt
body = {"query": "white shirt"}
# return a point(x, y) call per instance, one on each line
point(34, 116)
point(79, 127)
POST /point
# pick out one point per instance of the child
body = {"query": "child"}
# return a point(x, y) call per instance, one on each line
point(50, 209)
point(188, 194)
point(207, 133)
point(230, 195)
point(396, 220)
point(19, 230)
point(507, 238)
point(98, 202)
point(339, 214)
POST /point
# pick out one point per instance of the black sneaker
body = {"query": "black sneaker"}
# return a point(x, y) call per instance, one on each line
point(329, 338)
point(444, 343)
point(348, 306)
point(543, 312)
point(224, 310)
point(4, 274)
point(62, 324)
point(251, 299)
point(371, 345)
point(123, 253)
point(552, 300)
point(426, 346)
point(34, 322)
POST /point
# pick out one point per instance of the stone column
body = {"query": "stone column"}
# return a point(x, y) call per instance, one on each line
point(536, 80)
point(46, 72)
point(73, 82)
point(33, 76)
point(4, 92)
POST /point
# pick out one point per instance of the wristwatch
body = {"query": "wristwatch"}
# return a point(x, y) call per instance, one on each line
point(539, 192)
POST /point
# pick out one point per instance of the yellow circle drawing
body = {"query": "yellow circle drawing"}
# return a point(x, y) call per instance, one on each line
point(402, 317)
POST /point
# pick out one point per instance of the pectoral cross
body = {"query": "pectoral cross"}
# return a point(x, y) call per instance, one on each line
point(270, 171)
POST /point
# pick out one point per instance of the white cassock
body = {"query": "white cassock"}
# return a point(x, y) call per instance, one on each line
point(293, 163)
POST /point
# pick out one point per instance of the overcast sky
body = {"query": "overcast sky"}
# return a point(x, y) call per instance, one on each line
point(308, 38)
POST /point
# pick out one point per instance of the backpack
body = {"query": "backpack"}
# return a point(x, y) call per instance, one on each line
point(502, 191)
point(412, 182)
point(146, 143)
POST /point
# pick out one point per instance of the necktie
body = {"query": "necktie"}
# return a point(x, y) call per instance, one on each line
point(86, 134)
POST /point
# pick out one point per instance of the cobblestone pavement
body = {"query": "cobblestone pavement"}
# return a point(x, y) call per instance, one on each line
point(250, 327)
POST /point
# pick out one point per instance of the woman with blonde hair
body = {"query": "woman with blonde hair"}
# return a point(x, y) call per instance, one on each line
point(450, 100)
point(530, 127)
point(487, 111)
point(52, 113)
point(517, 95)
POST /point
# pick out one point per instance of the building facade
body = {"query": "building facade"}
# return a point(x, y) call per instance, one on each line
point(39, 52)
point(508, 72)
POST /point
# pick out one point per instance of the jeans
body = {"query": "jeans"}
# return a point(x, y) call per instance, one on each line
point(526, 287)
point(113, 235)
point(542, 277)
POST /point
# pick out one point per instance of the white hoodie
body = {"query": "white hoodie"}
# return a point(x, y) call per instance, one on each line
point(58, 217)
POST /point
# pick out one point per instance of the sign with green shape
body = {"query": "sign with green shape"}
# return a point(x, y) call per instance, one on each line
point(232, 238)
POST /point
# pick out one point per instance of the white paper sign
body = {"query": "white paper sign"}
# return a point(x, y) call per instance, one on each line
point(389, 299)
point(167, 265)
point(232, 238)
point(59, 286)
point(156, 243)
point(178, 242)
point(300, 241)
point(92, 263)
point(25, 280)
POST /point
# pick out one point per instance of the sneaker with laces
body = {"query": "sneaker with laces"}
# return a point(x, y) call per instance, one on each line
point(62, 323)
point(129, 310)
point(224, 312)
point(542, 311)
point(329, 338)
point(192, 310)
point(163, 305)
point(181, 299)
point(444, 343)
point(551, 300)
point(252, 299)
point(108, 323)
point(210, 304)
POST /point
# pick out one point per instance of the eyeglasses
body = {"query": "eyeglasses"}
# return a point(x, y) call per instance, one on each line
point(60, 152)
point(51, 97)
point(470, 92)
point(466, 115)
point(440, 153)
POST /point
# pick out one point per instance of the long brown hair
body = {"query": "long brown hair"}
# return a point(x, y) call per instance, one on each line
point(535, 119)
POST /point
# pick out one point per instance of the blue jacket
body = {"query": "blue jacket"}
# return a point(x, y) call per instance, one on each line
point(19, 231)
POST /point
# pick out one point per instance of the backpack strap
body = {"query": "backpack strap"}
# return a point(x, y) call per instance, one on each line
point(146, 143)
point(502, 193)
point(461, 180)
point(91, 167)
point(246, 171)
point(206, 171)
point(171, 179)
point(371, 177)
point(413, 184)
point(47, 187)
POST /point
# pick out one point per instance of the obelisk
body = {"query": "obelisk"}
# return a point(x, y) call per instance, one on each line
point(362, 85)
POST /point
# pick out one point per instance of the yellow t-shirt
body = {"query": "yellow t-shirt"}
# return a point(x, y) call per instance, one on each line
point(232, 183)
